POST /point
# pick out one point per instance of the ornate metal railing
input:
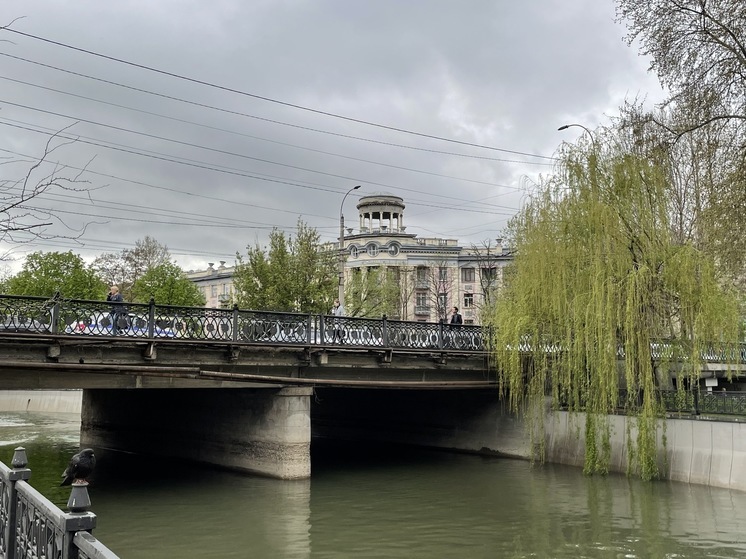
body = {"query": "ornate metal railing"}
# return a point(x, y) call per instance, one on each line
point(32, 527)
point(76, 317)
point(697, 402)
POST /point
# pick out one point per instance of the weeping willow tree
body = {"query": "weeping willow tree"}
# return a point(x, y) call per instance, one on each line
point(598, 284)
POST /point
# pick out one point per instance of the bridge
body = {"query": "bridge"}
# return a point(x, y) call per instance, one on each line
point(246, 389)
point(74, 343)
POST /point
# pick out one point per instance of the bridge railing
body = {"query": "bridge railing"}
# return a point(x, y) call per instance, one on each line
point(137, 320)
point(697, 402)
point(77, 317)
point(32, 526)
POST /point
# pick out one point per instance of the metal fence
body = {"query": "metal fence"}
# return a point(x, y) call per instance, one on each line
point(76, 317)
point(697, 402)
point(33, 527)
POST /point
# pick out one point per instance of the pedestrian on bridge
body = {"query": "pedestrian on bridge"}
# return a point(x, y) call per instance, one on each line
point(453, 326)
point(117, 307)
point(338, 332)
point(456, 318)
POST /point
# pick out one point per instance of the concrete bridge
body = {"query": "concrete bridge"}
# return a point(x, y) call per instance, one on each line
point(248, 390)
point(245, 389)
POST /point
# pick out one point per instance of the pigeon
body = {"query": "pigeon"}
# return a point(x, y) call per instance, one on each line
point(80, 467)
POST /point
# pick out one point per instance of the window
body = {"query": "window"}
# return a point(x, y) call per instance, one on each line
point(421, 299)
point(213, 291)
point(468, 300)
point(226, 289)
point(422, 274)
point(372, 250)
point(467, 275)
point(489, 274)
point(443, 273)
point(353, 252)
point(393, 250)
point(442, 300)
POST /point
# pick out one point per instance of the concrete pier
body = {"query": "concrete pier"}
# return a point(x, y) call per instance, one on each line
point(261, 431)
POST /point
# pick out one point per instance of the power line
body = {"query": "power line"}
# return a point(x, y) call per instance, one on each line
point(222, 169)
point(217, 128)
point(233, 154)
point(271, 100)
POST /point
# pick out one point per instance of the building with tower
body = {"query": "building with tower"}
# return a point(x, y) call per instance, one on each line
point(389, 271)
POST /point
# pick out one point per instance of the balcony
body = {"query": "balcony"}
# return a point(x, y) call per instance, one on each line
point(422, 310)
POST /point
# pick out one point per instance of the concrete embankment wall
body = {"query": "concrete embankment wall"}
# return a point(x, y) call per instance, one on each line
point(696, 450)
point(53, 401)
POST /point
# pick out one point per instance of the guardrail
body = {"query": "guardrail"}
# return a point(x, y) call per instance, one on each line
point(77, 317)
point(33, 527)
point(697, 402)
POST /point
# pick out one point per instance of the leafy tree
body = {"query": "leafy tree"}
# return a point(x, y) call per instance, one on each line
point(294, 274)
point(168, 285)
point(597, 268)
point(126, 267)
point(372, 292)
point(44, 274)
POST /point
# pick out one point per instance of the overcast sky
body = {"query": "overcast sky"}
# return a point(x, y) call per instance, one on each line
point(220, 120)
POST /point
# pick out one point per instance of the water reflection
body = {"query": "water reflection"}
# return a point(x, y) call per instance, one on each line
point(385, 502)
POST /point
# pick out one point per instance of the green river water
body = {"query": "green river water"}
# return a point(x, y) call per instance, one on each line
point(382, 502)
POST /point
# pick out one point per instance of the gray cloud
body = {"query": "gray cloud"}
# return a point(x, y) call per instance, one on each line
point(212, 180)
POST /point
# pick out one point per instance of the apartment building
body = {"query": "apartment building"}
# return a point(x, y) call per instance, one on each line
point(434, 274)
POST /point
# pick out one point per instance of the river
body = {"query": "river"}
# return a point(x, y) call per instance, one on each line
point(382, 502)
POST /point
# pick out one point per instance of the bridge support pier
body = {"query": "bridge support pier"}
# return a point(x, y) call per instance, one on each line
point(264, 431)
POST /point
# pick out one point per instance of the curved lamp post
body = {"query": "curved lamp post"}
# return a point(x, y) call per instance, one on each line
point(341, 294)
point(587, 131)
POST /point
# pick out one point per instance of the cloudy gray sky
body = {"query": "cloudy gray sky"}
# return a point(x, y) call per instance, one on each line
point(211, 122)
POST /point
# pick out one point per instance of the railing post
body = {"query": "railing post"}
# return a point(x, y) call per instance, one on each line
point(441, 334)
point(234, 329)
point(695, 411)
point(78, 519)
point(385, 331)
point(151, 318)
point(309, 329)
point(19, 472)
point(322, 334)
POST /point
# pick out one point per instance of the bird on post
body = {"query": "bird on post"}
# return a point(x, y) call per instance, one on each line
point(80, 467)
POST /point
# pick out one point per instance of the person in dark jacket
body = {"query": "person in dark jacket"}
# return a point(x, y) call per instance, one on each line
point(456, 317)
point(117, 308)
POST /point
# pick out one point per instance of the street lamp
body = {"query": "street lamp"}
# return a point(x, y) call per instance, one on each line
point(587, 131)
point(342, 248)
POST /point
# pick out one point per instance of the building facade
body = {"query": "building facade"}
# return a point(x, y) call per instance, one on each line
point(431, 275)
point(216, 284)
